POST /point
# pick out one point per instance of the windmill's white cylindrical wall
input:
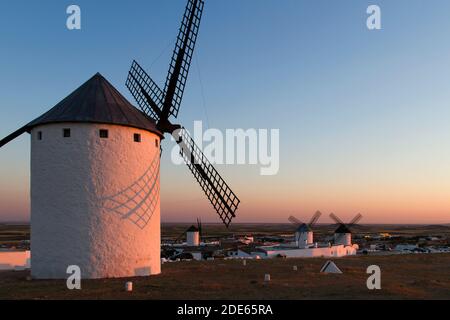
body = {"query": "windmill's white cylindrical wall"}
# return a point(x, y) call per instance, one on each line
point(193, 238)
point(94, 201)
point(343, 238)
point(304, 239)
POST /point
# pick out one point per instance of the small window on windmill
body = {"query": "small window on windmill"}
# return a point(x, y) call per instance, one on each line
point(156, 143)
point(137, 137)
point(103, 133)
point(66, 133)
point(39, 135)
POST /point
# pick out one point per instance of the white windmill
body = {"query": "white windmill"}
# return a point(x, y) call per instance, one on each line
point(343, 234)
point(194, 234)
point(304, 235)
point(95, 163)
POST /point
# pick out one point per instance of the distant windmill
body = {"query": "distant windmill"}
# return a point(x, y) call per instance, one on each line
point(161, 104)
point(304, 234)
point(343, 234)
point(193, 235)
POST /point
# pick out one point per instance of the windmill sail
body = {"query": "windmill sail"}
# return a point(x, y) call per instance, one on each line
point(314, 218)
point(356, 219)
point(336, 219)
point(160, 105)
point(13, 135)
point(295, 221)
point(146, 92)
point(182, 58)
point(223, 199)
point(342, 227)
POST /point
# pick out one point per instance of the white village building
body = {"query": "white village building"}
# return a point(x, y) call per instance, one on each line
point(304, 247)
point(311, 252)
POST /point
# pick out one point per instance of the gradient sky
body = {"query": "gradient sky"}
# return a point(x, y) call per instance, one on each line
point(363, 115)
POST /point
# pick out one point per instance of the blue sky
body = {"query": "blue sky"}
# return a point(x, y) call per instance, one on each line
point(363, 115)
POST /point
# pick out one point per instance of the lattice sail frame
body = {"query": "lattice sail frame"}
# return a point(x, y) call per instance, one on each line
point(296, 222)
point(349, 225)
point(145, 91)
point(314, 218)
point(182, 56)
point(223, 199)
point(161, 105)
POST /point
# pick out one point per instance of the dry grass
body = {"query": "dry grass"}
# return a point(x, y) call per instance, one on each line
point(403, 277)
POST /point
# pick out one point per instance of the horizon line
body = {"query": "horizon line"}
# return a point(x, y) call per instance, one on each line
point(265, 223)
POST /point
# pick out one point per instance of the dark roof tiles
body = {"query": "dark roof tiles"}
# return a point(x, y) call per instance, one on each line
point(192, 229)
point(342, 229)
point(96, 101)
point(303, 228)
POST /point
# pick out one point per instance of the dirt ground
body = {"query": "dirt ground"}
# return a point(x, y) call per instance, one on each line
point(419, 276)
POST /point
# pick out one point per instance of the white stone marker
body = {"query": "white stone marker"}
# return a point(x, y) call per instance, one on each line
point(129, 286)
point(295, 268)
point(244, 262)
point(267, 278)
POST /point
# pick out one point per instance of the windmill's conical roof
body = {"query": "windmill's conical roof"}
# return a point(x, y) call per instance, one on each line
point(96, 101)
point(192, 229)
point(303, 228)
point(342, 229)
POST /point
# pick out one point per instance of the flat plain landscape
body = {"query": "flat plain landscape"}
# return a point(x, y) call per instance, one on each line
point(415, 276)
point(403, 276)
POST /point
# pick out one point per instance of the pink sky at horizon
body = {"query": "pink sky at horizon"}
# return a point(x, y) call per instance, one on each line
point(398, 203)
point(381, 199)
